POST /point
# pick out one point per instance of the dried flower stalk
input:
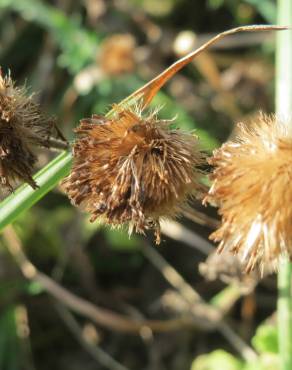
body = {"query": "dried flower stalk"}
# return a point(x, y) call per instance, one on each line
point(22, 127)
point(252, 188)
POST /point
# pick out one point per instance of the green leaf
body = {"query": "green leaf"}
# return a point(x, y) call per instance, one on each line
point(216, 360)
point(267, 361)
point(266, 339)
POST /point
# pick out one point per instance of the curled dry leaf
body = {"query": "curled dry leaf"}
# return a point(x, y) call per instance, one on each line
point(252, 188)
point(22, 127)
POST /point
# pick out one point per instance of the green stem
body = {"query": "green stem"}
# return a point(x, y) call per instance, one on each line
point(284, 110)
point(284, 62)
point(25, 197)
point(285, 315)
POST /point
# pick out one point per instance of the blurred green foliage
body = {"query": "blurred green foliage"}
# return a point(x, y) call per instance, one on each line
point(217, 360)
point(9, 341)
point(77, 45)
point(266, 344)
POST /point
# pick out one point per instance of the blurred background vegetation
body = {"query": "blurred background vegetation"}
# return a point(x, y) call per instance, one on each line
point(81, 56)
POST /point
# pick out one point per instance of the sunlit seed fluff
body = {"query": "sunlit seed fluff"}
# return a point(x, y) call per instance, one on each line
point(22, 126)
point(132, 169)
point(252, 188)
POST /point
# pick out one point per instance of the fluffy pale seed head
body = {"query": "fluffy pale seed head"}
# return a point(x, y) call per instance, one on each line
point(132, 169)
point(22, 126)
point(252, 188)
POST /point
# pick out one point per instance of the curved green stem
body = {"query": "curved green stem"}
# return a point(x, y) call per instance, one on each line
point(285, 315)
point(284, 109)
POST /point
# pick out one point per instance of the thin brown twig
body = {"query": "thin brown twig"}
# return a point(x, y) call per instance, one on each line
point(195, 301)
point(201, 218)
point(95, 351)
point(202, 313)
point(176, 231)
point(57, 144)
point(101, 316)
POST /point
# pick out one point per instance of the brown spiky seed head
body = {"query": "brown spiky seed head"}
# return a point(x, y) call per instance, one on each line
point(252, 188)
point(132, 169)
point(22, 126)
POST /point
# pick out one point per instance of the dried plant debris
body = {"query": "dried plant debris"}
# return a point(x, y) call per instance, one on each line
point(252, 188)
point(133, 169)
point(22, 127)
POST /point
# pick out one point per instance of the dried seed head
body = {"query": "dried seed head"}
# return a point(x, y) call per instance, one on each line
point(252, 188)
point(22, 126)
point(132, 169)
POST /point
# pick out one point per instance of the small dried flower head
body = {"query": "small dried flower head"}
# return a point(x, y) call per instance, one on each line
point(22, 126)
point(117, 54)
point(132, 169)
point(252, 188)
